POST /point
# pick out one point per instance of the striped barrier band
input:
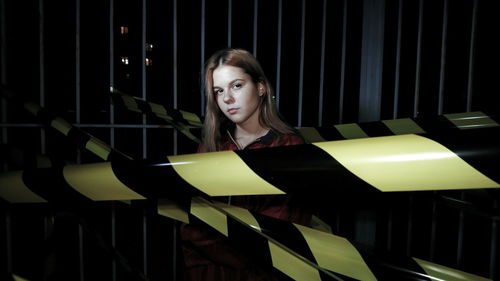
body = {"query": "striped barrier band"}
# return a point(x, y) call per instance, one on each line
point(79, 137)
point(286, 245)
point(169, 114)
point(179, 119)
point(418, 125)
point(463, 160)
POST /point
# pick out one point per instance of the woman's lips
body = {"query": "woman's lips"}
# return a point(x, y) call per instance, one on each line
point(232, 110)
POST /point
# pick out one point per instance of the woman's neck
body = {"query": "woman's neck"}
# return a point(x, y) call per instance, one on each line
point(245, 135)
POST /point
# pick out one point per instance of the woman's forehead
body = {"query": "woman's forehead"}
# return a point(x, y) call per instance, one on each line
point(226, 74)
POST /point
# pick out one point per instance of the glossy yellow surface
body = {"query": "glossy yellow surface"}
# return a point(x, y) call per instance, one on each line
point(336, 253)
point(406, 163)
point(220, 174)
point(13, 189)
point(98, 182)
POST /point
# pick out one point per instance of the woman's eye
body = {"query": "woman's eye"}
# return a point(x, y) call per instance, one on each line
point(218, 91)
point(237, 86)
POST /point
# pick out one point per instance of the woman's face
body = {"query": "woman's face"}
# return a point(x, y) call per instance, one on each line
point(237, 95)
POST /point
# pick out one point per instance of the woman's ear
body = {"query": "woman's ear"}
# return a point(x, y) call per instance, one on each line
point(261, 88)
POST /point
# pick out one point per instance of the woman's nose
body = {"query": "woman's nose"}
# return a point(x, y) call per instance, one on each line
point(228, 97)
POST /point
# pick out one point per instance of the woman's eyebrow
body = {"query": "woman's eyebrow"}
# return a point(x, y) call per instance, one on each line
point(236, 80)
point(231, 82)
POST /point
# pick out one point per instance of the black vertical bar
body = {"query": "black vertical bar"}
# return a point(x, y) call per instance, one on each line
point(460, 238)
point(255, 25)
point(77, 61)
point(41, 67)
point(398, 61)
point(144, 241)
point(278, 52)
point(81, 265)
point(143, 77)
point(472, 49)
point(301, 78)
point(174, 250)
point(493, 245)
point(432, 248)
point(3, 73)
point(322, 71)
point(229, 22)
point(175, 66)
point(111, 70)
point(77, 71)
point(389, 230)
point(144, 122)
point(417, 63)
point(443, 57)
point(371, 60)
point(202, 55)
point(409, 235)
point(113, 238)
point(342, 64)
point(8, 239)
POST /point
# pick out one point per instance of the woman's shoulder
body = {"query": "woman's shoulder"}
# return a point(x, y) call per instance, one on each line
point(291, 139)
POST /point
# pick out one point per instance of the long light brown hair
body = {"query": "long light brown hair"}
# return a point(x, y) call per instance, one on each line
point(215, 121)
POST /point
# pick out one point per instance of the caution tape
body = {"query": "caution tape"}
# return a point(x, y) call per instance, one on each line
point(418, 125)
point(403, 163)
point(75, 177)
point(76, 135)
point(179, 119)
point(304, 253)
point(71, 178)
point(81, 138)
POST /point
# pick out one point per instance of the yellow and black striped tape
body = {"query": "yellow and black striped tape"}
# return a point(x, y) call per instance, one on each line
point(403, 163)
point(179, 119)
point(304, 253)
point(79, 137)
point(418, 125)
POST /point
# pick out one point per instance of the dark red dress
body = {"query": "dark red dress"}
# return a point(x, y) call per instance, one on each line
point(208, 256)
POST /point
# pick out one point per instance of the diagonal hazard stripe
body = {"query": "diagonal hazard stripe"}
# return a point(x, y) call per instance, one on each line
point(336, 253)
point(169, 114)
point(297, 168)
point(403, 126)
point(406, 163)
point(85, 178)
point(264, 250)
point(471, 120)
point(14, 190)
point(445, 273)
point(419, 125)
point(77, 136)
point(204, 171)
point(351, 131)
point(479, 148)
point(50, 184)
point(179, 119)
point(303, 253)
point(394, 163)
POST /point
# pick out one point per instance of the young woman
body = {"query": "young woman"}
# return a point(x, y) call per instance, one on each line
point(240, 114)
